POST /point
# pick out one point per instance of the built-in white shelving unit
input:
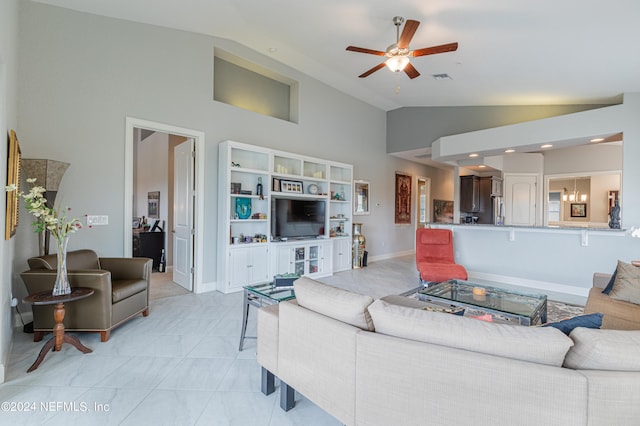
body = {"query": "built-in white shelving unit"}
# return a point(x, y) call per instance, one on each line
point(246, 253)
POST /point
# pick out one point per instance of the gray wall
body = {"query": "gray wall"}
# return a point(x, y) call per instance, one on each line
point(8, 120)
point(418, 127)
point(81, 75)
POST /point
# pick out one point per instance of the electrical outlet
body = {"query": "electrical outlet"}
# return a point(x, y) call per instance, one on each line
point(97, 220)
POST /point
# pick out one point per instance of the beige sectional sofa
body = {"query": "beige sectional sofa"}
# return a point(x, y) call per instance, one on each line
point(617, 314)
point(389, 362)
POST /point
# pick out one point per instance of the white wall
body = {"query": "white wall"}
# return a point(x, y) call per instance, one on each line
point(96, 71)
point(8, 120)
point(152, 174)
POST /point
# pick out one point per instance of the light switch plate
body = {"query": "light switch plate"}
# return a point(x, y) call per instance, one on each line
point(97, 220)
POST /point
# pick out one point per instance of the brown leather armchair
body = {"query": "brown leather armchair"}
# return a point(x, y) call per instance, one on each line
point(121, 291)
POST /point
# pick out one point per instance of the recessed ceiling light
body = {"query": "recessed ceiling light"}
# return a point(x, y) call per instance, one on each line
point(597, 140)
point(273, 49)
point(509, 151)
point(473, 155)
point(547, 145)
point(482, 166)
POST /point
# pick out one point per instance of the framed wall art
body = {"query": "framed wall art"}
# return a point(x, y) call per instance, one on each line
point(361, 197)
point(13, 178)
point(578, 209)
point(403, 199)
point(443, 211)
point(153, 203)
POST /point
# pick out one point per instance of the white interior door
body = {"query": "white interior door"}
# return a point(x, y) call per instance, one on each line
point(183, 196)
point(520, 200)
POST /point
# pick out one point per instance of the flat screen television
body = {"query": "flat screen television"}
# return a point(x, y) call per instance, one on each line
point(297, 218)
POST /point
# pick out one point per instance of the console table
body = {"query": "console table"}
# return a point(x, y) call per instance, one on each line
point(148, 244)
point(59, 336)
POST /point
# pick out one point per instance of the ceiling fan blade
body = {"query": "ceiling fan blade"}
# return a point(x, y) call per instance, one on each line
point(408, 31)
point(451, 47)
point(372, 70)
point(363, 50)
point(411, 71)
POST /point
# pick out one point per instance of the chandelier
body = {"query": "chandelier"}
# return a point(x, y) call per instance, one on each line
point(575, 195)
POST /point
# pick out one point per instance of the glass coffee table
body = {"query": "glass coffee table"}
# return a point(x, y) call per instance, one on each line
point(261, 295)
point(503, 305)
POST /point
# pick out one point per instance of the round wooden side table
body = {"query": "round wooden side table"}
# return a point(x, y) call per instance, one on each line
point(59, 336)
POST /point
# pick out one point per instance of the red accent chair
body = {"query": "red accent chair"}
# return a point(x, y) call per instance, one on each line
point(434, 256)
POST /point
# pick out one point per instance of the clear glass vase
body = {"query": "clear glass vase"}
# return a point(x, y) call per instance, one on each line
point(62, 286)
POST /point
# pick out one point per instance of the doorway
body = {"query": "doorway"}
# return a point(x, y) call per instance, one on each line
point(423, 194)
point(134, 129)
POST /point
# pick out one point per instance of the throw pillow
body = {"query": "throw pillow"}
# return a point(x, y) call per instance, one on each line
point(587, 321)
point(334, 302)
point(609, 286)
point(626, 287)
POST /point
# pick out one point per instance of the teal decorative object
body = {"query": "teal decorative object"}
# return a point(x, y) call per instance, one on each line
point(243, 208)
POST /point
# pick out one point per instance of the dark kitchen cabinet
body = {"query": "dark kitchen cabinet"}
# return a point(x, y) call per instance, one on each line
point(469, 194)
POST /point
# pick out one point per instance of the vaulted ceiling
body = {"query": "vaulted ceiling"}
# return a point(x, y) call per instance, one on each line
point(510, 52)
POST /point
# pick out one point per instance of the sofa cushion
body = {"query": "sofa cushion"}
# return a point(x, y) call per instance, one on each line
point(613, 350)
point(122, 289)
point(535, 344)
point(567, 325)
point(334, 302)
point(627, 283)
point(76, 260)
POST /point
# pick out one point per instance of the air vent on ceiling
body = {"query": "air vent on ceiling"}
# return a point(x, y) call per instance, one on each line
point(444, 76)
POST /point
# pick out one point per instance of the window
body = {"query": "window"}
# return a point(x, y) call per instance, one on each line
point(553, 206)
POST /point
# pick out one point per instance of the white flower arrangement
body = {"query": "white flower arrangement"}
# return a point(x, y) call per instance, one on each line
point(47, 218)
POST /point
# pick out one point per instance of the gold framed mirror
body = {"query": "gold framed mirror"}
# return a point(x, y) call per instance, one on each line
point(13, 178)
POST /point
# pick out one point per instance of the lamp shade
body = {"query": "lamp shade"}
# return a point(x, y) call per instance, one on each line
point(397, 63)
point(48, 173)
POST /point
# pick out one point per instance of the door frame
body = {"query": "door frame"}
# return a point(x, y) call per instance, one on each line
point(199, 143)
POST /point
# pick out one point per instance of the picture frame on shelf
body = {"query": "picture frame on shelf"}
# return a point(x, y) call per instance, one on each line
point(293, 186)
point(275, 185)
point(578, 209)
point(135, 223)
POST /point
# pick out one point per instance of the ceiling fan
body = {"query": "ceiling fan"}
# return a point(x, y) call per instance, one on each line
point(398, 53)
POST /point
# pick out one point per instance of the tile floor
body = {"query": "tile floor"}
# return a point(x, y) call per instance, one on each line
point(178, 366)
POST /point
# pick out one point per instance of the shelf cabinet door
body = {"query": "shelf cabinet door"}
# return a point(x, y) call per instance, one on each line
point(239, 267)
point(247, 266)
point(260, 264)
point(341, 254)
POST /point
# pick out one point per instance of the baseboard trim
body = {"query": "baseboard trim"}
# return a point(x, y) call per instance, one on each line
point(390, 255)
point(19, 320)
point(207, 287)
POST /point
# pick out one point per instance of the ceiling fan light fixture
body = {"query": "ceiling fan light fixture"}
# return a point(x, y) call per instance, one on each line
point(397, 63)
